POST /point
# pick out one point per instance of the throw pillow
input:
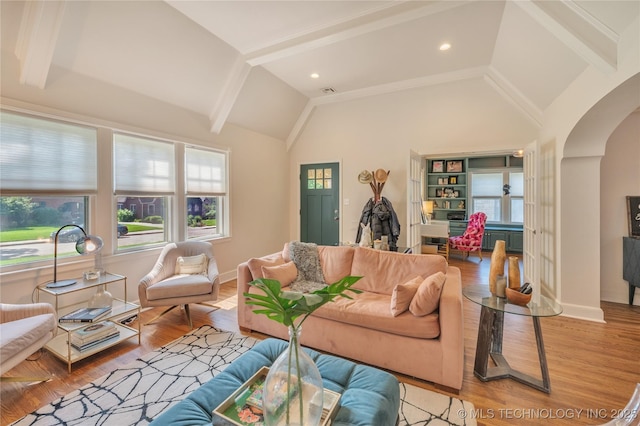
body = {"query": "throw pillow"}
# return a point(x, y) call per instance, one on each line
point(255, 265)
point(191, 265)
point(284, 273)
point(427, 298)
point(402, 295)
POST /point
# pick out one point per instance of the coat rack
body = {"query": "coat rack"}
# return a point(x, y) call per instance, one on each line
point(376, 180)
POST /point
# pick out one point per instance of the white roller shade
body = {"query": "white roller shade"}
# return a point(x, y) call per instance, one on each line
point(38, 154)
point(205, 172)
point(143, 166)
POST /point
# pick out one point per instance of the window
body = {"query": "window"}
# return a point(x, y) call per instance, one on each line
point(500, 195)
point(206, 187)
point(144, 180)
point(48, 171)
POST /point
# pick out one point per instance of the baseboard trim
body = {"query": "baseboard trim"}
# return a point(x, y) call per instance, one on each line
point(583, 312)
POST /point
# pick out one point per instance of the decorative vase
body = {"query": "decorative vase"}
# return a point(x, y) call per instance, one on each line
point(101, 299)
point(498, 257)
point(514, 273)
point(293, 392)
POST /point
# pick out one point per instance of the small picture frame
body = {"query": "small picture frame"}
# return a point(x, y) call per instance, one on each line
point(439, 192)
point(442, 181)
point(454, 166)
point(633, 214)
point(453, 180)
point(437, 166)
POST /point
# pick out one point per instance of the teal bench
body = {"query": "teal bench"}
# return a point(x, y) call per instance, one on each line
point(369, 396)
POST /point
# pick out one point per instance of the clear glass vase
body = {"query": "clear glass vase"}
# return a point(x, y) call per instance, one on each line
point(293, 392)
point(101, 299)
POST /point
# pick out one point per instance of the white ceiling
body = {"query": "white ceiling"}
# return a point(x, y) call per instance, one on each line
point(228, 59)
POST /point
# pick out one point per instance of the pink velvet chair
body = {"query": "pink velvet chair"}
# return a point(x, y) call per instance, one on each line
point(471, 240)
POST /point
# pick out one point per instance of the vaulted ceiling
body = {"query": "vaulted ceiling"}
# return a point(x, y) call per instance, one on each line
point(249, 62)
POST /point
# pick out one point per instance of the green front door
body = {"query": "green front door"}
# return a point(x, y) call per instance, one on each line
point(319, 202)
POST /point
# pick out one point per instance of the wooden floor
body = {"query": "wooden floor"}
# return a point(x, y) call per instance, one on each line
point(593, 367)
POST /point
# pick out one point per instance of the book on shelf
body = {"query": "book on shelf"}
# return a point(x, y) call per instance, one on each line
point(85, 315)
point(92, 332)
point(101, 340)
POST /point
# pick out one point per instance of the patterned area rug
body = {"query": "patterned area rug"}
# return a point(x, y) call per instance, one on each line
point(135, 394)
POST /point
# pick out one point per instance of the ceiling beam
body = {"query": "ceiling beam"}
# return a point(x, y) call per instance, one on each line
point(515, 97)
point(389, 15)
point(577, 29)
point(237, 77)
point(37, 38)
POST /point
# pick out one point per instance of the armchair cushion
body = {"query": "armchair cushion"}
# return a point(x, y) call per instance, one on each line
point(180, 286)
point(23, 330)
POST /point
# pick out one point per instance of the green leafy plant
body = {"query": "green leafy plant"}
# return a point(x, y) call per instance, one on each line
point(286, 307)
point(292, 308)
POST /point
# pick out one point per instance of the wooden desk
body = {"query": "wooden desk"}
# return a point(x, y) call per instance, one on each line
point(436, 234)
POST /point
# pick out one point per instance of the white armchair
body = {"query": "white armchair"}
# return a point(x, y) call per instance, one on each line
point(185, 272)
point(23, 330)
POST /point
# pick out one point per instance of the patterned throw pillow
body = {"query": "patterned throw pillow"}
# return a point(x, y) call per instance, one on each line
point(191, 265)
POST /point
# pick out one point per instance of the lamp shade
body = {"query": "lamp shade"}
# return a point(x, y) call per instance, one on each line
point(427, 207)
point(89, 244)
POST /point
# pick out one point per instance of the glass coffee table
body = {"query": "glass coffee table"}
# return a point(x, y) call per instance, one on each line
point(490, 330)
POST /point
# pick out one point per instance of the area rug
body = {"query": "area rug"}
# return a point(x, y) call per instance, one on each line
point(139, 392)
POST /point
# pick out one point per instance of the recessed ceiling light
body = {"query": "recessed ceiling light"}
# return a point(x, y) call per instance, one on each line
point(445, 46)
point(315, 75)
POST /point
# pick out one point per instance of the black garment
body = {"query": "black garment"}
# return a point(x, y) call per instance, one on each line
point(383, 221)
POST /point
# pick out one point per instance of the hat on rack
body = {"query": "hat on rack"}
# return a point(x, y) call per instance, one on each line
point(381, 176)
point(365, 177)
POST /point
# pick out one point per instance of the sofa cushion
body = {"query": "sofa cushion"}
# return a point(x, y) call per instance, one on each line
point(382, 270)
point(285, 273)
point(427, 298)
point(191, 264)
point(255, 265)
point(371, 310)
point(402, 295)
point(336, 262)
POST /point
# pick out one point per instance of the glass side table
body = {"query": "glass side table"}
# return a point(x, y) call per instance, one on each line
point(490, 330)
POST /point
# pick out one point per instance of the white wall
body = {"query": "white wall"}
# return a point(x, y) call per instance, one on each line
point(258, 173)
point(620, 176)
point(379, 131)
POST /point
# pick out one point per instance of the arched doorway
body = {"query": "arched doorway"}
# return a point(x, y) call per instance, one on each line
point(579, 197)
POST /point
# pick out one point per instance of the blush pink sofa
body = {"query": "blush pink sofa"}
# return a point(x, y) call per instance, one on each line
point(429, 347)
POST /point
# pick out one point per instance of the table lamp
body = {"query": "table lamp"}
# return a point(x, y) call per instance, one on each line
point(87, 244)
point(427, 207)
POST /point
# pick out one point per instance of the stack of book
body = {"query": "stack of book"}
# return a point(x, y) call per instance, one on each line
point(93, 335)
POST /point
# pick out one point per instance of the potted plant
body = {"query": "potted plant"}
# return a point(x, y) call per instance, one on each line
point(294, 376)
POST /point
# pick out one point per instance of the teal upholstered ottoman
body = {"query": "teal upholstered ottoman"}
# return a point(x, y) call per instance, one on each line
point(369, 396)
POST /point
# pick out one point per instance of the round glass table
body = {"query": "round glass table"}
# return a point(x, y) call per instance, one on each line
point(490, 331)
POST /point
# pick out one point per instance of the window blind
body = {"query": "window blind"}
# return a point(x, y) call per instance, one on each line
point(38, 154)
point(205, 172)
point(143, 166)
point(486, 184)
